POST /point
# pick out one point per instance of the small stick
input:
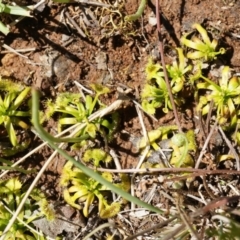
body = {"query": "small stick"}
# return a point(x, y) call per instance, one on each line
point(13, 51)
point(185, 219)
point(75, 24)
point(205, 146)
point(197, 172)
point(20, 50)
point(158, 226)
point(230, 147)
point(160, 46)
point(143, 156)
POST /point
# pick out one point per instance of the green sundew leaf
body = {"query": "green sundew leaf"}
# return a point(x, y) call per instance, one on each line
point(108, 176)
point(165, 130)
point(110, 210)
point(80, 195)
point(17, 10)
point(2, 7)
point(203, 85)
point(214, 44)
point(8, 99)
point(182, 59)
point(150, 107)
point(13, 184)
point(46, 209)
point(152, 136)
point(152, 69)
point(17, 122)
point(234, 84)
point(11, 132)
point(196, 55)
point(91, 129)
point(4, 29)
point(96, 155)
point(125, 182)
point(19, 113)
point(89, 103)
point(18, 101)
point(178, 86)
point(226, 74)
point(67, 121)
point(192, 145)
point(203, 33)
point(194, 45)
point(67, 197)
point(10, 86)
point(99, 88)
point(2, 107)
point(87, 204)
point(2, 119)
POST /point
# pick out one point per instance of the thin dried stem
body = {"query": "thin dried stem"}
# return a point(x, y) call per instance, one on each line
point(143, 156)
point(185, 218)
point(197, 172)
point(158, 226)
point(205, 146)
point(233, 151)
point(160, 46)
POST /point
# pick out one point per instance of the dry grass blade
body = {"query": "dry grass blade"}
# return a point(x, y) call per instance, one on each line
point(205, 146)
point(157, 226)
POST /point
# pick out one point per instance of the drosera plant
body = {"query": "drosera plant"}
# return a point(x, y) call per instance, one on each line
point(11, 192)
point(81, 188)
point(225, 96)
point(177, 71)
point(13, 96)
point(181, 145)
point(13, 10)
point(155, 93)
point(73, 109)
point(205, 49)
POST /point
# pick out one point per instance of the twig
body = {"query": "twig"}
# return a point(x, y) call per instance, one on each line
point(197, 172)
point(230, 147)
point(205, 146)
point(158, 226)
point(174, 232)
point(13, 51)
point(143, 156)
point(75, 25)
point(185, 219)
point(209, 115)
point(104, 225)
point(19, 50)
point(160, 46)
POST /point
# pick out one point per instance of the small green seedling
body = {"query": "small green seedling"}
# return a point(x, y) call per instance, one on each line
point(80, 188)
point(182, 144)
point(76, 111)
point(96, 155)
point(205, 48)
point(225, 96)
point(14, 10)
point(177, 71)
point(11, 194)
point(10, 115)
point(155, 93)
